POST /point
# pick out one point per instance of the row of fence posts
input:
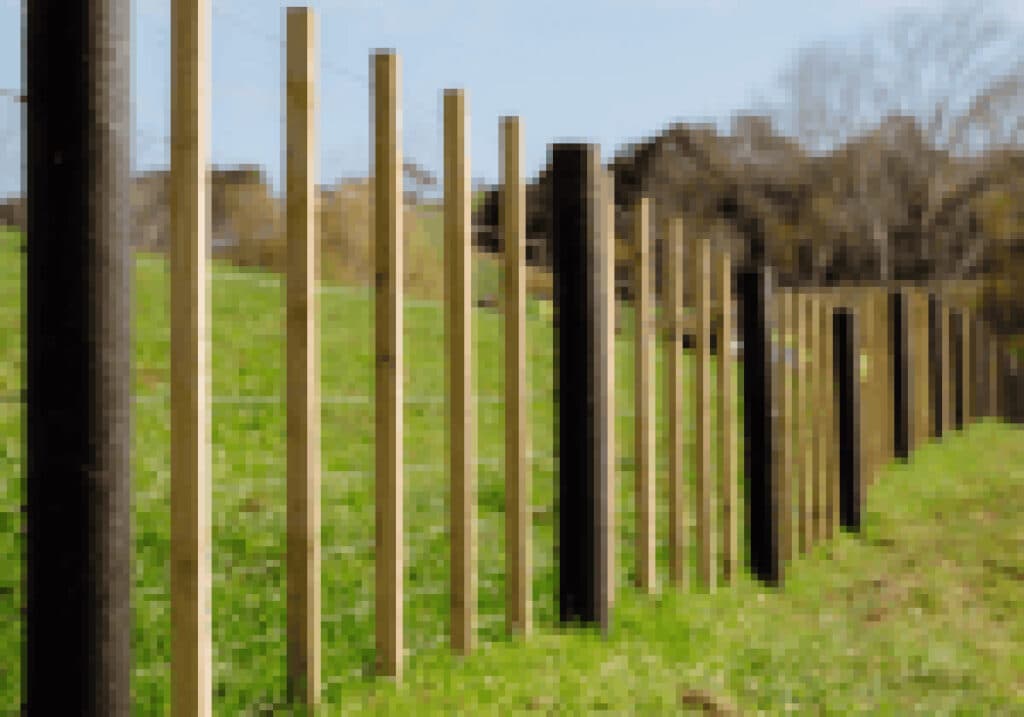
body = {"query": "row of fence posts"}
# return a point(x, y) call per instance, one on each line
point(836, 381)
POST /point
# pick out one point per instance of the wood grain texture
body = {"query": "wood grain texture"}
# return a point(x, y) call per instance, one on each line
point(387, 165)
point(678, 513)
point(302, 365)
point(518, 603)
point(644, 508)
point(705, 533)
point(459, 376)
point(727, 421)
point(191, 650)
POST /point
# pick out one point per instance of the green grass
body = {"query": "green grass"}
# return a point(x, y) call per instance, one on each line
point(922, 611)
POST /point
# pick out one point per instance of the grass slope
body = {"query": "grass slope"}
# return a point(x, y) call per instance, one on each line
point(922, 611)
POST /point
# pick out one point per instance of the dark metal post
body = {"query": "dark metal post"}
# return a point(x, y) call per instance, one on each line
point(582, 399)
point(846, 355)
point(755, 286)
point(956, 354)
point(935, 350)
point(77, 359)
point(899, 350)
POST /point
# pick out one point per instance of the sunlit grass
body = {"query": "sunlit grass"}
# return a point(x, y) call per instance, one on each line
point(922, 611)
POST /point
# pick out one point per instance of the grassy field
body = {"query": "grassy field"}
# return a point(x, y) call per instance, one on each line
point(921, 611)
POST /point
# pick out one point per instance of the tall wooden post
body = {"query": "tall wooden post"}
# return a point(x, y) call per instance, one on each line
point(673, 346)
point(726, 420)
point(387, 175)
point(459, 353)
point(705, 480)
point(966, 368)
point(993, 376)
point(938, 363)
point(758, 408)
point(847, 402)
point(817, 396)
point(644, 492)
point(829, 492)
point(783, 435)
point(518, 569)
point(303, 376)
point(583, 399)
point(804, 402)
point(77, 612)
point(191, 649)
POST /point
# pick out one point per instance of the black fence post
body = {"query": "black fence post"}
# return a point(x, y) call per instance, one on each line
point(935, 351)
point(77, 618)
point(846, 355)
point(761, 484)
point(580, 316)
point(899, 351)
point(956, 353)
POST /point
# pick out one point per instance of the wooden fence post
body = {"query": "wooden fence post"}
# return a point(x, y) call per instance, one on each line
point(302, 365)
point(459, 353)
point(76, 613)
point(828, 477)
point(815, 380)
point(758, 406)
point(191, 650)
point(938, 363)
point(993, 376)
point(922, 371)
point(784, 436)
point(644, 492)
point(518, 567)
point(847, 402)
point(726, 420)
point(678, 523)
point(387, 163)
point(966, 368)
point(804, 398)
point(706, 572)
point(583, 398)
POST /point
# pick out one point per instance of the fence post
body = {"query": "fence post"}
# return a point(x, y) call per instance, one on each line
point(518, 568)
point(804, 398)
point(816, 416)
point(387, 163)
point(644, 493)
point(678, 523)
point(459, 353)
point(847, 402)
point(993, 375)
point(582, 384)
point(899, 350)
point(758, 408)
point(958, 365)
point(610, 442)
point(303, 376)
point(938, 363)
point(191, 650)
point(78, 357)
point(830, 477)
point(706, 572)
point(966, 367)
point(784, 436)
point(726, 419)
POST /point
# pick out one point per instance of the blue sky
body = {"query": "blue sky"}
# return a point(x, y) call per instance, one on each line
point(608, 71)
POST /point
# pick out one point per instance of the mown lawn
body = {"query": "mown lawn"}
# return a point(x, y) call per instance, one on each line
point(922, 611)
